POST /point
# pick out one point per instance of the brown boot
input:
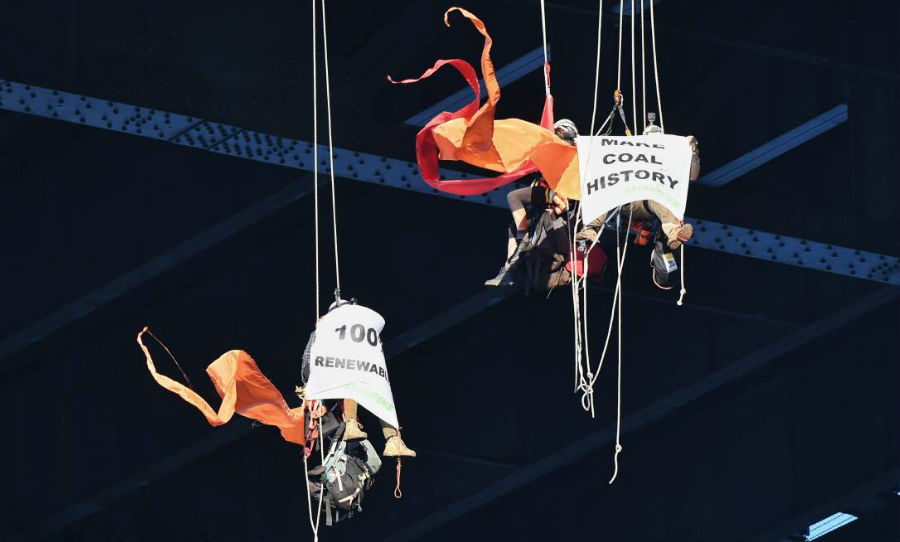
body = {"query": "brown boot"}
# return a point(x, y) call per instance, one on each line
point(680, 234)
point(394, 445)
point(353, 430)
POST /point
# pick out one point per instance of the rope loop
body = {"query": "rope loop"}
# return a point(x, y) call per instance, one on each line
point(398, 494)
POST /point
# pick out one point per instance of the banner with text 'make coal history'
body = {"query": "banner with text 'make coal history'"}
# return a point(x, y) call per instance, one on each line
point(616, 170)
point(347, 362)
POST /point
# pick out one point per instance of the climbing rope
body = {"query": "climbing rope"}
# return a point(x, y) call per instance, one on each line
point(313, 524)
point(643, 75)
point(621, 20)
point(621, 253)
point(398, 494)
point(546, 57)
point(597, 67)
point(315, 113)
point(662, 123)
point(634, 94)
point(683, 287)
point(337, 268)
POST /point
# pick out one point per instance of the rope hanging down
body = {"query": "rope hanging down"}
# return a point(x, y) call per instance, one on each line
point(586, 376)
point(314, 524)
point(315, 116)
point(315, 93)
point(546, 58)
point(337, 268)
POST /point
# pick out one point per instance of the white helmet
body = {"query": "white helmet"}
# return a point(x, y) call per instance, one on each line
point(650, 128)
point(565, 129)
point(341, 303)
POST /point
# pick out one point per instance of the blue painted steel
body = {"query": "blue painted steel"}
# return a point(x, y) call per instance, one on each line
point(775, 148)
point(797, 252)
point(832, 522)
point(248, 144)
point(513, 71)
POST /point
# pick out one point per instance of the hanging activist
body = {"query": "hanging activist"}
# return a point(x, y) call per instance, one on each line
point(542, 155)
point(343, 365)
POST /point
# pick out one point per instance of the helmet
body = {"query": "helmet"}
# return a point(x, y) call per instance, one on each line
point(565, 129)
point(340, 303)
point(651, 128)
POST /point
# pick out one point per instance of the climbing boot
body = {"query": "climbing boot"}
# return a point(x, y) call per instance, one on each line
point(590, 232)
point(680, 234)
point(394, 445)
point(353, 430)
point(503, 278)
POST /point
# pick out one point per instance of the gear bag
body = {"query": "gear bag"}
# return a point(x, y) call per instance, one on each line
point(342, 480)
point(664, 267)
point(543, 254)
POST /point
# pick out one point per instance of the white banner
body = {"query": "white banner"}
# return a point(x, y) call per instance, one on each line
point(616, 170)
point(346, 361)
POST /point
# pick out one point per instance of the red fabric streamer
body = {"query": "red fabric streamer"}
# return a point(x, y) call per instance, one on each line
point(512, 147)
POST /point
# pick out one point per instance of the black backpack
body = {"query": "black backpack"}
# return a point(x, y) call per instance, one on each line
point(343, 478)
point(542, 256)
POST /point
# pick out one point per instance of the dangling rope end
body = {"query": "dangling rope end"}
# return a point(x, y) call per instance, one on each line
point(683, 289)
point(616, 463)
point(397, 493)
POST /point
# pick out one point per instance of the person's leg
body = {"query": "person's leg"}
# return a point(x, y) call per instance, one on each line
point(517, 199)
point(677, 231)
point(393, 443)
point(352, 429)
point(589, 232)
point(512, 242)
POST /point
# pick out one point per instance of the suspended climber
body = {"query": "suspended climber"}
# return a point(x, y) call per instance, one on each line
point(538, 197)
point(341, 362)
point(394, 445)
point(675, 231)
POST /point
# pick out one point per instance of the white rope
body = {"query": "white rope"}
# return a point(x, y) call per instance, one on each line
point(597, 68)
point(662, 123)
point(587, 397)
point(620, 263)
point(337, 269)
point(643, 75)
point(634, 95)
point(602, 126)
point(315, 153)
point(619, 69)
point(546, 62)
point(618, 396)
point(580, 381)
point(313, 524)
point(596, 89)
point(683, 287)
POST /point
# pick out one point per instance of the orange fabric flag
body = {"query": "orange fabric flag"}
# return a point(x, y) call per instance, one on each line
point(243, 388)
point(513, 147)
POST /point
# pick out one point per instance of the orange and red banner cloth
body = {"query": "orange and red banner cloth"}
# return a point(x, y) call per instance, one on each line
point(511, 147)
point(243, 388)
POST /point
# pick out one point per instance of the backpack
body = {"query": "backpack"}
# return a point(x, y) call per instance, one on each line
point(543, 254)
point(341, 481)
